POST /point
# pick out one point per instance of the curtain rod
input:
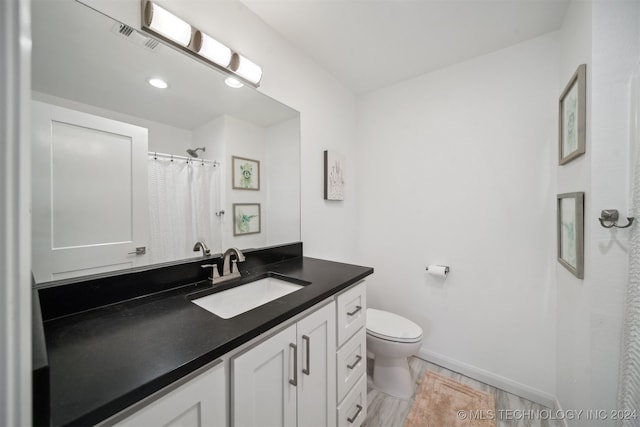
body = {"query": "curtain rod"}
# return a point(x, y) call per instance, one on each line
point(155, 155)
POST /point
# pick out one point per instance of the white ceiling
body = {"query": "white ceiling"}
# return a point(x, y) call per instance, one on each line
point(369, 44)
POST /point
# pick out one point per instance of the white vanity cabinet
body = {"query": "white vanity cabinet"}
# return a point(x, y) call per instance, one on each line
point(199, 402)
point(351, 357)
point(311, 373)
point(288, 379)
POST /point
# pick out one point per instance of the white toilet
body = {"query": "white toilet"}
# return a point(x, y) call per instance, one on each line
point(392, 339)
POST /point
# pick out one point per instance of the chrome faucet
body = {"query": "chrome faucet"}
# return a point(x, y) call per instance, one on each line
point(201, 245)
point(229, 267)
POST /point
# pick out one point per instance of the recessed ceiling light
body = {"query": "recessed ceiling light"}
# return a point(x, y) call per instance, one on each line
point(234, 83)
point(159, 83)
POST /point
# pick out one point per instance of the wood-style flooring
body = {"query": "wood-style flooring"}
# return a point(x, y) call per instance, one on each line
point(387, 411)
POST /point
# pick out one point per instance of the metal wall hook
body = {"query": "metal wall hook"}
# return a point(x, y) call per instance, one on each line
point(609, 217)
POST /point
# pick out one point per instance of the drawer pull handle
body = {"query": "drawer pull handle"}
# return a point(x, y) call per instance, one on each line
point(354, 364)
point(307, 370)
point(352, 419)
point(294, 381)
point(354, 312)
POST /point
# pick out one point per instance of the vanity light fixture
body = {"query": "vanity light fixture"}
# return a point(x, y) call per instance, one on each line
point(248, 70)
point(234, 83)
point(181, 34)
point(157, 83)
point(166, 24)
point(213, 50)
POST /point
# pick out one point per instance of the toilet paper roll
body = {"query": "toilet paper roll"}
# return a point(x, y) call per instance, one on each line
point(438, 270)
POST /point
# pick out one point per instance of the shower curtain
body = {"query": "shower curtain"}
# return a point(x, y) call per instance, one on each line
point(183, 199)
point(629, 383)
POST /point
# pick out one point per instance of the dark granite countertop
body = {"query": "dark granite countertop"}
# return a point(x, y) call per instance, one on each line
point(105, 359)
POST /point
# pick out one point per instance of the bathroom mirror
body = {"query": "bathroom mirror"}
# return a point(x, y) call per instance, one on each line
point(89, 66)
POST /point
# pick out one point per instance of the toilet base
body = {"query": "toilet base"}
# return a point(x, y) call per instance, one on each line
point(392, 376)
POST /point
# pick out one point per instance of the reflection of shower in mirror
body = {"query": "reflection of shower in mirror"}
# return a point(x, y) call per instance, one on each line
point(194, 153)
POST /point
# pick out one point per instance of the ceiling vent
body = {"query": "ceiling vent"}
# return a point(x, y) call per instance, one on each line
point(134, 36)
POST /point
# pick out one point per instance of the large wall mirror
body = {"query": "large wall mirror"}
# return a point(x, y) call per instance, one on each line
point(114, 186)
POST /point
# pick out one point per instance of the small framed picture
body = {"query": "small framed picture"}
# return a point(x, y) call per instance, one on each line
point(333, 175)
point(573, 117)
point(246, 218)
point(571, 232)
point(246, 173)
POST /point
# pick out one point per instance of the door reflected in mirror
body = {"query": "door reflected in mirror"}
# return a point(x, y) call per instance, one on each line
point(113, 183)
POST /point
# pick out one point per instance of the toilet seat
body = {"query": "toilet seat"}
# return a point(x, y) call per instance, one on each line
point(391, 327)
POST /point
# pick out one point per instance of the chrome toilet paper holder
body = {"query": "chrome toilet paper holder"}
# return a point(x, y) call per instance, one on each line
point(610, 217)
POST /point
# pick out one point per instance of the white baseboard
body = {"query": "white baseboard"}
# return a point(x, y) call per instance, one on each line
point(491, 378)
point(558, 407)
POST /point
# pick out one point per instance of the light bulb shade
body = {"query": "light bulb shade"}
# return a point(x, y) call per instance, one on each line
point(166, 24)
point(214, 51)
point(248, 70)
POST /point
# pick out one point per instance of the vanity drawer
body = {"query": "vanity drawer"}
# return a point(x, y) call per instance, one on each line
point(351, 309)
point(353, 410)
point(351, 362)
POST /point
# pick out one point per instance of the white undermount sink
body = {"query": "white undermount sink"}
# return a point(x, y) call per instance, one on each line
point(242, 298)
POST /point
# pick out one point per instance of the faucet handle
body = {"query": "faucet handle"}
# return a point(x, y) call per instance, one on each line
point(215, 274)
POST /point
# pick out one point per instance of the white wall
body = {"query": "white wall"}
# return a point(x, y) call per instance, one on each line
point(616, 52)
point(454, 169)
point(282, 162)
point(245, 140)
point(572, 317)
point(604, 35)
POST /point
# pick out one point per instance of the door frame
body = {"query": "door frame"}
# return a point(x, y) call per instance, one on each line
point(15, 217)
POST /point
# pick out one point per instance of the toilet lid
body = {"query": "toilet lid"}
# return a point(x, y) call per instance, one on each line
point(391, 327)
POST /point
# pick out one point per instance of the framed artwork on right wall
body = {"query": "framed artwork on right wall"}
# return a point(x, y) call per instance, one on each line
point(571, 232)
point(572, 121)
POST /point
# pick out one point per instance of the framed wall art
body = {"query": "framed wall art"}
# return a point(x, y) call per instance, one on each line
point(573, 117)
point(333, 176)
point(246, 218)
point(245, 173)
point(571, 232)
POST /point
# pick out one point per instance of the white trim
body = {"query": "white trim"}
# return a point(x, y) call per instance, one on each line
point(558, 409)
point(15, 219)
point(490, 378)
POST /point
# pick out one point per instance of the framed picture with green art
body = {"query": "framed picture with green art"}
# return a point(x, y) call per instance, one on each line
point(571, 232)
point(246, 218)
point(245, 173)
point(573, 117)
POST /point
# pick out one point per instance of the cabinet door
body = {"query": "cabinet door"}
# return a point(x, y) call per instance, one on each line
point(317, 368)
point(200, 402)
point(264, 378)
